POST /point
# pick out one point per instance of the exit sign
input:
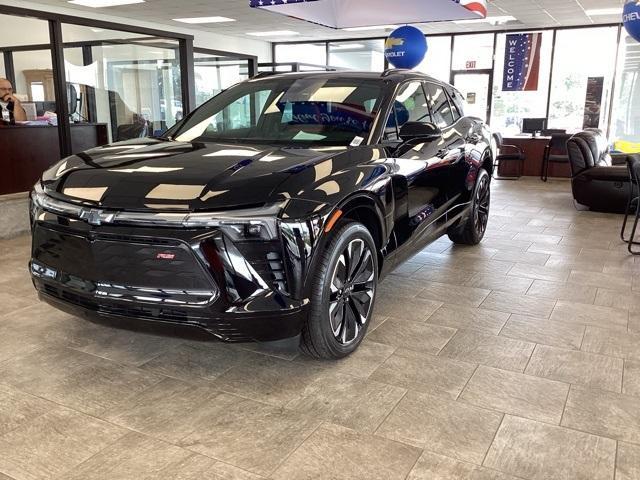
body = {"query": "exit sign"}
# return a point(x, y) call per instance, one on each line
point(471, 64)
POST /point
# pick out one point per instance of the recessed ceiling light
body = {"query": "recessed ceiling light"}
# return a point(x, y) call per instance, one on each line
point(204, 20)
point(274, 33)
point(104, 3)
point(492, 20)
point(603, 11)
point(375, 27)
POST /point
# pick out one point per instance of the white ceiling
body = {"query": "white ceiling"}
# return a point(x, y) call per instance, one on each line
point(529, 13)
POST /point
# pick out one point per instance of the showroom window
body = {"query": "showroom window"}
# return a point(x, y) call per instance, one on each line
point(511, 106)
point(580, 90)
point(437, 61)
point(625, 119)
point(473, 52)
point(310, 53)
point(365, 55)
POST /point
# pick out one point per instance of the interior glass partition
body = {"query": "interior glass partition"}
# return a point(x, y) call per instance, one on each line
point(215, 73)
point(126, 85)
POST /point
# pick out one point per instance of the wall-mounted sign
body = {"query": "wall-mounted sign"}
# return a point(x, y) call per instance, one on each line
point(470, 65)
point(405, 47)
point(521, 62)
point(367, 13)
point(471, 98)
point(593, 102)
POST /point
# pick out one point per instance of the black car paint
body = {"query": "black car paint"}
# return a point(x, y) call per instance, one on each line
point(413, 194)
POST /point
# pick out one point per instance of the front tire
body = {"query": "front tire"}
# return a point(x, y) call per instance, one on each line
point(473, 230)
point(343, 295)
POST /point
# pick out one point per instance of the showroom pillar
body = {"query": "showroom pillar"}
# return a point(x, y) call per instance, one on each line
point(60, 87)
point(187, 71)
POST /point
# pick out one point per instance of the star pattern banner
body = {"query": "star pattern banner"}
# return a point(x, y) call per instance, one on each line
point(268, 3)
point(521, 62)
point(365, 13)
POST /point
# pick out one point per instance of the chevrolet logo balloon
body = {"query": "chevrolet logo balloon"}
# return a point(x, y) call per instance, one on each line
point(406, 47)
point(631, 18)
point(393, 42)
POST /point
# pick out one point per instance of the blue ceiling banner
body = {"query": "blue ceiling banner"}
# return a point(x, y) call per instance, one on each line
point(405, 47)
point(631, 18)
point(366, 13)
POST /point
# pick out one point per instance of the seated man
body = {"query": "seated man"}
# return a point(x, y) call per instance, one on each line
point(10, 106)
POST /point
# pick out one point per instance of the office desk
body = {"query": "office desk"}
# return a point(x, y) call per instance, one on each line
point(28, 150)
point(533, 148)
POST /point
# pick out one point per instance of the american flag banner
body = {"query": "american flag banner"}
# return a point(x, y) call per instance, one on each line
point(267, 3)
point(479, 7)
point(521, 62)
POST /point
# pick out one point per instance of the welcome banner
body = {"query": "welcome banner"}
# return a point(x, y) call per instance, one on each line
point(521, 62)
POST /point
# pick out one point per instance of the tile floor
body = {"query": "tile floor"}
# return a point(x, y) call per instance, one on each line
point(516, 359)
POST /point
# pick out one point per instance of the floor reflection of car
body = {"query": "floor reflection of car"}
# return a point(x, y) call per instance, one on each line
point(270, 212)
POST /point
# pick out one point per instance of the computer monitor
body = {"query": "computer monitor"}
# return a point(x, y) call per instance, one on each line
point(533, 125)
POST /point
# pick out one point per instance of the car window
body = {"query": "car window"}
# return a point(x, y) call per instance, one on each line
point(454, 107)
point(410, 105)
point(440, 107)
point(457, 102)
point(289, 110)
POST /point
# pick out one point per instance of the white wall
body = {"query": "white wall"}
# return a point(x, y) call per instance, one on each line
point(201, 38)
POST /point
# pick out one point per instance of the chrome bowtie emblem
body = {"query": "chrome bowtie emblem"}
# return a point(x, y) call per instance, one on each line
point(91, 216)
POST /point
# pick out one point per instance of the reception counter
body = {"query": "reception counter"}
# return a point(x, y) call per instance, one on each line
point(28, 150)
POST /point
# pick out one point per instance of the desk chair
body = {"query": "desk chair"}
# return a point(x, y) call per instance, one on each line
point(555, 152)
point(633, 164)
point(507, 153)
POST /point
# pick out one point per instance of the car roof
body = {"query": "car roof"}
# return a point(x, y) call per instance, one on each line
point(395, 75)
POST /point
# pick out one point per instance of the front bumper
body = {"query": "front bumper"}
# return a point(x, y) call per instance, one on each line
point(191, 277)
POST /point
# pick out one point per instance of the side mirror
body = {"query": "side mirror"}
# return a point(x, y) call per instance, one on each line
point(415, 132)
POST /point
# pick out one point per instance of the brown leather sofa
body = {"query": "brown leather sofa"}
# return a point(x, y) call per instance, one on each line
point(599, 180)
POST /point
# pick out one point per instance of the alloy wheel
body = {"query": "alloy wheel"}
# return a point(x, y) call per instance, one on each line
point(482, 204)
point(352, 291)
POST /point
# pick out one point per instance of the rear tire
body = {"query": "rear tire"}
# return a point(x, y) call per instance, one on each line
point(473, 230)
point(343, 294)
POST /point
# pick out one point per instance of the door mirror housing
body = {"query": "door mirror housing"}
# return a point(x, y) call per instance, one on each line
point(416, 132)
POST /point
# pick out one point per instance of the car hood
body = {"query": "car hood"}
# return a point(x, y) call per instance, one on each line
point(166, 175)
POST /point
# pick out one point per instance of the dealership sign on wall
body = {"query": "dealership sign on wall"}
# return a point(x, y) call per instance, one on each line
point(365, 13)
point(521, 62)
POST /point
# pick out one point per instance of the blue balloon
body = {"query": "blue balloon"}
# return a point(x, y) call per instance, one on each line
point(405, 47)
point(631, 18)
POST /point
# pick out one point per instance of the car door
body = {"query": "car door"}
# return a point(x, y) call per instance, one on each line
point(420, 165)
point(448, 119)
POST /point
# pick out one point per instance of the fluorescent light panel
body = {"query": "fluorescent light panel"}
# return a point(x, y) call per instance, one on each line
point(274, 33)
point(594, 12)
point(104, 3)
point(204, 20)
point(493, 20)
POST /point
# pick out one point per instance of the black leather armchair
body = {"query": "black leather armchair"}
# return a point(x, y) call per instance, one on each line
point(599, 180)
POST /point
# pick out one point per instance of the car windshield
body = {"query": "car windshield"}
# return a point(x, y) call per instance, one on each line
point(288, 111)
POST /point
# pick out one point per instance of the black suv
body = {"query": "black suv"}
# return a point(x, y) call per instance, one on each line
point(270, 212)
